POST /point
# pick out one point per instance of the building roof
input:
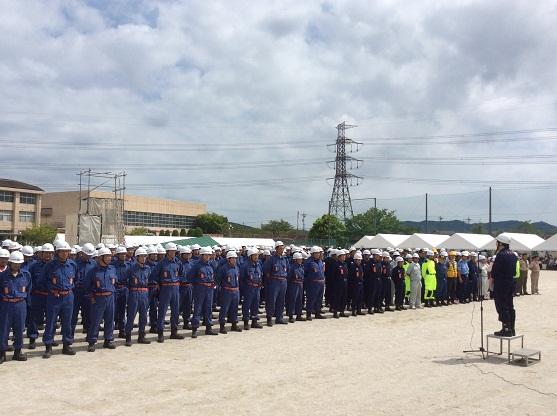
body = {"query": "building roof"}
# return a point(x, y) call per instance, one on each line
point(10, 183)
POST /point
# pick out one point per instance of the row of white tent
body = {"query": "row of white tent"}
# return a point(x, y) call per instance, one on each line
point(457, 241)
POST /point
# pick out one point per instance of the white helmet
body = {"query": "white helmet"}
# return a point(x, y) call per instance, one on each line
point(205, 250)
point(481, 257)
point(396, 253)
point(170, 247)
point(408, 256)
point(95, 254)
point(185, 250)
point(14, 245)
point(63, 245)
point(315, 249)
point(111, 246)
point(358, 256)
point(266, 252)
point(104, 251)
point(367, 253)
point(278, 243)
point(140, 252)
point(6, 243)
point(473, 254)
point(4, 253)
point(37, 249)
point(151, 250)
point(352, 249)
point(27, 250)
point(120, 250)
point(465, 253)
point(196, 247)
point(47, 247)
point(73, 251)
point(444, 254)
point(385, 254)
point(161, 250)
point(252, 251)
point(297, 255)
point(415, 256)
point(503, 238)
point(99, 246)
point(376, 252)
point(88, 249)
point(16, 257)
point(429, 253)
point(399, 259)
point(231, 255)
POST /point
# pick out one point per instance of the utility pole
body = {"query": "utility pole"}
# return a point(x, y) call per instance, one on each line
point(340, 204)
point(426, 216)
point(304, 215)
point(489, 227)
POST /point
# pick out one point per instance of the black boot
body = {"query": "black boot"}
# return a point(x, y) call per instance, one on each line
point(194, 332)
point(209, 330)
point(160, 337)
point(269, 321)
point(186, 325)
point(319, 316)
point(505, 331)
point(109, 344)
point(32, 344)
point(19, 356)
point(223, 329)
point(308, 317)
point(48, 351)
point(255, 324)
point(300, 318)
point(91, 347)
point(175, 335)
point(141, 339)
point(153, 330)
point(235, 327)
point(67, 349)
point(291, 319)
point(335, 315)
point(121, 334)
point(353, 313)
point(2, 356)
point(246, 325)
point(280, 322)
point(128, 340)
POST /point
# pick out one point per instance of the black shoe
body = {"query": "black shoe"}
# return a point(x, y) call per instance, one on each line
point(300, 318)
point(209, 330)
point(153, 330)
point(308, 317)
point(32, 344)
point(142, 340)
point(128, 340)
point(2, 356)
point(175, 335)
point(506, 331)
point(186, 326)
point(360, 313)
point(343, 315)
point(291, 319)
point(269, 321)
point(19, 356)
point(222, 329)
point(335, 315)
point(67, 349)
point(280, 322)
point(246, 325)
point(48, 351)
point(235, 327)
point(160, 337)
point(91, 347)
point(121, 334)
point(40, 327)
point(109, 344)
point(10, 348)
point(256, 325)
point(353, 313)
point(319, 316)
point(194, 332)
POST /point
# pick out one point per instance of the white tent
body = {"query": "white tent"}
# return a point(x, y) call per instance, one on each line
point(248, 242)
point(463, 241)
point(424, 241)
point(363, 242)
point(388, 240)
point(138, 240)
point(519, 242)
point(548, 245)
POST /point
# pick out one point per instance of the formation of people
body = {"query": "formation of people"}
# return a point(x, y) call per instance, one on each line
point(118, 288)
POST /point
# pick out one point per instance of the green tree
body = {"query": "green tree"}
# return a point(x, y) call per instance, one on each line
point(140, 231)
point(526, 227)
point(195, 232)
point(477, 229)
point(38, 234)
point(277, 227)
point(183, 232)
point(328, 228)
point(175, 233)
point(373, 221)
point(211, 223)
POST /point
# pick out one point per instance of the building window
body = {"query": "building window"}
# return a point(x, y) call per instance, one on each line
point(27, 199)
point(6, 196)
point(26, 216)
point(150, 219)
point(46, 212)
point(5, 215)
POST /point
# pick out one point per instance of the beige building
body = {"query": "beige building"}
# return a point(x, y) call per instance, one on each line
point(20, 207)
point(156, 214)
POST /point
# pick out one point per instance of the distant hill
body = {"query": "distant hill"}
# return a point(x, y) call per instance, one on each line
point(449, 227)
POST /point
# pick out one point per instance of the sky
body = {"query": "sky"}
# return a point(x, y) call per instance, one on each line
point(232, 103)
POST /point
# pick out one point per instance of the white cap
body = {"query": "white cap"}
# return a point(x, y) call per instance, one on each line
point(16, 257)
point(120, 250)
point(140, 252)
point(63, 245)
point(278, 243)
point(503, 238)
point(357, 256)
point(88, 249)
point(170, 247)
point(4, 253)
point(399, 259)
point(27, 250)
point(297, 255)
point(104, 251)
point(231, 255)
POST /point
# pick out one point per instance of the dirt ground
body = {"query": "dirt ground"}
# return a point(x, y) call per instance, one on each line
point(402, 363)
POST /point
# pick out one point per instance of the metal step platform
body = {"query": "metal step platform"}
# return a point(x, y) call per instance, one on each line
point(525, 356)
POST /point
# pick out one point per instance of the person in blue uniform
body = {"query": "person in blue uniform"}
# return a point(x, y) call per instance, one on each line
point(463, 272)
point(15, 284)
point(152, 261)
point(502, 273)
point(441, 269)
point(275, 271)
point(138, 296)
point(376, 285)
point(314, 283)
point(340, 285)
point(251, 281)
point(398, 277)
point(60, 276)
point(82, 299)
point(39, 293)
point(473, 276)
point(102, 280)
point(228, 278)
point(356, 283)
point(167, 276)
point(386, 297)
point(330, 262)
point(121, 266)
point(203, 279)
point(295, 288)
point(186, 287)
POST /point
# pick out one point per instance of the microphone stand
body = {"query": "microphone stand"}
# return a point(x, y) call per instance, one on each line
point(481, 348)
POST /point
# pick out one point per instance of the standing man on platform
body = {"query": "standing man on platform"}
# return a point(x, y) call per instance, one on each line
point(502, 273)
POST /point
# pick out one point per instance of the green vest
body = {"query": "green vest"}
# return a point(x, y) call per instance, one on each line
point(517, 272)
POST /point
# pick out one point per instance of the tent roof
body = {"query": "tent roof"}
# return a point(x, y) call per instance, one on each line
point(202, 241)
point(424, 241)
point(138, 240)
point(463, 241)
point(363, 242)
point(388, 240)
point(239, 242)
point(519, 242)
point(548, 245)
